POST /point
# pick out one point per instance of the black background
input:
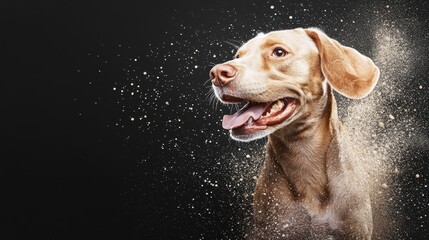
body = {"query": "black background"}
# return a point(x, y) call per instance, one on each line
point(109, 131)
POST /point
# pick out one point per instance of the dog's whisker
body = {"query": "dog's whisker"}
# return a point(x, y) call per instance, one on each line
point(232, 44)
point(212, 99)
point(209, 94)
point(237, 42)
point(211, 64)
point(236, 107)
point(209, 97)
point(207, 81)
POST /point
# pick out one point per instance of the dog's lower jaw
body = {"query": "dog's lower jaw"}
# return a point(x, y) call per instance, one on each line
point(253, 136)
point(257, 134)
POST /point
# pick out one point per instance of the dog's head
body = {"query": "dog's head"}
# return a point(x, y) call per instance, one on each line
point(281, 72)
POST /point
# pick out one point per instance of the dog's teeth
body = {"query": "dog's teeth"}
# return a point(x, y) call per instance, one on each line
point(249, 121)
point(278, 105)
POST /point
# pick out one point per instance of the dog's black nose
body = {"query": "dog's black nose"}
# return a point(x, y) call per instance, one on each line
point(222, 74)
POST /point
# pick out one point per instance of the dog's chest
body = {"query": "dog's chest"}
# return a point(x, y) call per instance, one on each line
point(299, 222)
point(295, 223)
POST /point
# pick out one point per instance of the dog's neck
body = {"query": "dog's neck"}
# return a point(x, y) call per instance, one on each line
point(300, 151)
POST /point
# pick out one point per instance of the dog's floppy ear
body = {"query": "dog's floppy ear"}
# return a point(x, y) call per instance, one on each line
point(347, 71)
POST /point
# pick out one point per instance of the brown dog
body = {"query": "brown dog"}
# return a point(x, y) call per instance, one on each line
point(310, 186)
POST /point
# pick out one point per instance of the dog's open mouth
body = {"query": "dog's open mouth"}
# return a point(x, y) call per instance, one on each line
point(258, 116)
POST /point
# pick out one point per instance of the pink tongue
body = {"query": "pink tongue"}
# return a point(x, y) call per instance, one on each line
point(240, 118)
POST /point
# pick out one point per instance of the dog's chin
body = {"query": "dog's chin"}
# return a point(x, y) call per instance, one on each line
point(266, 124)
point(247, 137)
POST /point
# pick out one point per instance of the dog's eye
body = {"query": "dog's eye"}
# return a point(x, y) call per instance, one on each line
point(279, 52)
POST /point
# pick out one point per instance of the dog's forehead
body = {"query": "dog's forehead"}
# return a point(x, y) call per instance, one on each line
point(292, 38)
